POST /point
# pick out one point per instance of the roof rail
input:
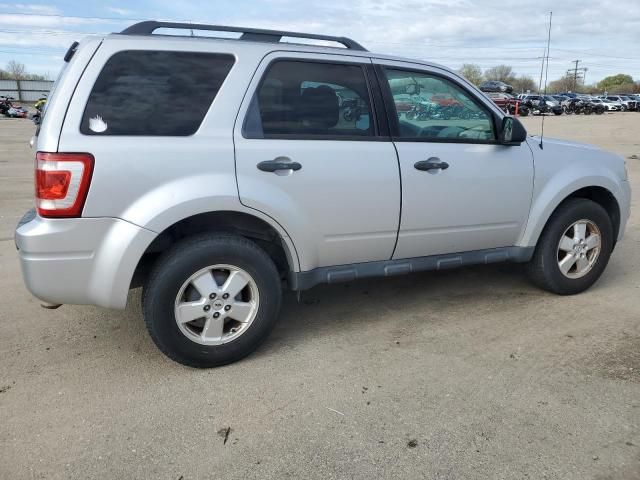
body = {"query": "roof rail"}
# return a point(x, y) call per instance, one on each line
point(252, 34)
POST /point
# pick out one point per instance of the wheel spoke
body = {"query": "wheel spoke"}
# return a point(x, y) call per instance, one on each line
point(213, 328)
point(580, 231)
point(593, 241)
point(241, 311)
point(235, 283)
point(582, 264)
point(204, 320)
point(189, 311)
point(566, 244)
point(205, 284)
point(566, 263)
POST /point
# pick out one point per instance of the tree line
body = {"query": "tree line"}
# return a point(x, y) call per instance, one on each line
point(620, 83)
point(18, 71)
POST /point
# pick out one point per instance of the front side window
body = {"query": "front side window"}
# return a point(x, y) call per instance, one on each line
point(437, 109)
point(301, 99)
point(140, 92)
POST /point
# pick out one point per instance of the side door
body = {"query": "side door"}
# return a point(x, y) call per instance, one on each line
point(461, 190)
point(311, 153)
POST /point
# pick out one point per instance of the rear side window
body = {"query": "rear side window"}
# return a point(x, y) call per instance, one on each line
point(154, 93)
point(302, 99)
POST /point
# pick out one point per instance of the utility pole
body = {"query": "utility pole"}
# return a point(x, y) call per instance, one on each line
point(578, 73)
point(575, 75)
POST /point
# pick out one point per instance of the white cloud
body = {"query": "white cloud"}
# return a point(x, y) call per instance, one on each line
point(450, 32)
point(30, 8)
point(120, 11)
point(9, 20)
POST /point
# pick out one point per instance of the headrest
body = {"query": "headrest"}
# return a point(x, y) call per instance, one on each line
point(319, 107)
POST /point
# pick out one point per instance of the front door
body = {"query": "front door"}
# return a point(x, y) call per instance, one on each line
point(309, 154)
point(461, 190)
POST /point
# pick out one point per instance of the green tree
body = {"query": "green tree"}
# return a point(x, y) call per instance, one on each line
point(471, 72)
point(614, 82)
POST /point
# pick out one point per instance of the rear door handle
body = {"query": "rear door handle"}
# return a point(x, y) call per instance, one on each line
point(280, 163)
point(432, 163)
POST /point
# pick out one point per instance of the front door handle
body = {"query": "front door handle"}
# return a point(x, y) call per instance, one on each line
point(432, 163)
point(280, 163)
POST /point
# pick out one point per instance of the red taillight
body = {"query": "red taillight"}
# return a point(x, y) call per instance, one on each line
point(62, 183)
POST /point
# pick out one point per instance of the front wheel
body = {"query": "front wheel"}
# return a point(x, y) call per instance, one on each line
point(574, 248)
point(211, 300)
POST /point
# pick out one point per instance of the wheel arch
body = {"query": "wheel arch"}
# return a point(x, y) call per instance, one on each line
point(277, 244)
point(600, 194)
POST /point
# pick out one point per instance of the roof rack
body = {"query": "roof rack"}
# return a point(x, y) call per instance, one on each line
point(251, 34)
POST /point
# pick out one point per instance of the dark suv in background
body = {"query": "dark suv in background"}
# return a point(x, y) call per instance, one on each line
point(496, 86)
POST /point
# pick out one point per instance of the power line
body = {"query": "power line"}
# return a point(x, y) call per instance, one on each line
point(59, 15)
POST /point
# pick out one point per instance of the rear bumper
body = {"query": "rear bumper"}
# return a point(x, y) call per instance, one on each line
point(80, 260)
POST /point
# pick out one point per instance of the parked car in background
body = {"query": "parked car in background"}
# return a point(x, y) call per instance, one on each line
point(625, 102)
point(508, 103)
point(540, 104)
point(598, 105)
point(632, 102)
point(612, 105)
point(496, 86)
point(274, 189)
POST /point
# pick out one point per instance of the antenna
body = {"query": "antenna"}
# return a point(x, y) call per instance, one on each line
point(546, 76)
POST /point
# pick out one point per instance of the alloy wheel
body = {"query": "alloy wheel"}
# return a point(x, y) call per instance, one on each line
point(579, 248)
point(216, 304)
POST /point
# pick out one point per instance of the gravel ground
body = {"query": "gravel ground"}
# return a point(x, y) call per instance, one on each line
point(465, 374)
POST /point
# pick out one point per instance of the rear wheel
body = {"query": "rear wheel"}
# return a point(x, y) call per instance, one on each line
point(574, 248)
point(211, 300)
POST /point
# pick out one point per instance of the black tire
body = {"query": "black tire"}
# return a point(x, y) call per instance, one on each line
point(177, 265)
point(543, 269)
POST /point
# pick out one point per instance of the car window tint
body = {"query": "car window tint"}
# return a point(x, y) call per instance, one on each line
point(311, 99)
point(438, 109)
point(154, 93)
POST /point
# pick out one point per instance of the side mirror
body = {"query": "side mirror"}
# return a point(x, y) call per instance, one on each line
point(512, 132)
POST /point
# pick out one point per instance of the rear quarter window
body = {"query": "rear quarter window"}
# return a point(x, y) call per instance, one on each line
point(154, 93)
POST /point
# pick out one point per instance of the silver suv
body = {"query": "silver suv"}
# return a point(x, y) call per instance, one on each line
point(215, 172)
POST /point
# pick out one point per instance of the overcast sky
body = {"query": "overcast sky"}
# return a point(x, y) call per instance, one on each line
point(604, 34)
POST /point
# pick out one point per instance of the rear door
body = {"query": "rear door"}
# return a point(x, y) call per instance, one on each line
point(311, 154)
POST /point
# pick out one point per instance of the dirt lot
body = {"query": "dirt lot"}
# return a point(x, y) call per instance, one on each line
point(459, 375)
